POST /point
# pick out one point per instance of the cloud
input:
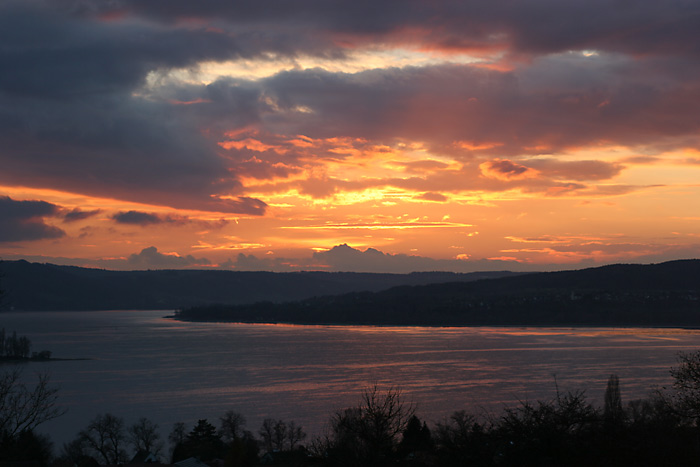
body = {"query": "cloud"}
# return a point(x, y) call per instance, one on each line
point(113, 99)
point(151, 258)
point(144, 219)
point(422, 166)
point(74, 116)
point(553, 253)
point(345, 258)
point(576, 170)
point(148, 153)
point(547, 107)
point(53, 51)
point(147, 258)
point(138, 218)
point(78, 214)
point(430, 196)
point(534, 27)
point(24, 220)
point(86, 94)
point(245, 262)
point(642, 160)
point(507, 170)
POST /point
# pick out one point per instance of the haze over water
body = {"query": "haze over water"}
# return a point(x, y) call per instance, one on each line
point(142, 364)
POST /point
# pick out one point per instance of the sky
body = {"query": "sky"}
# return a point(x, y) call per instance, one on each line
point(392, 136)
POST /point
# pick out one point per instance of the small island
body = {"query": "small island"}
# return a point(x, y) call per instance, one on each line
point(14, 348)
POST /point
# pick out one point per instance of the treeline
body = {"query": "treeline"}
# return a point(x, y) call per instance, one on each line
point(14, 347)
point(383, 429)
point(34, 286)
point(449, 305)
point(106, 440)
point(665, 294)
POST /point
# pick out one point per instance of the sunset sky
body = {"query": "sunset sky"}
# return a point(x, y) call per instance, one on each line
point(391, 135)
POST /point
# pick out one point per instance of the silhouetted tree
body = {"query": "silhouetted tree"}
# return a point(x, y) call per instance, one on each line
point(686, 385)
point(455, 432)
point(14, 346)
point(23, 408)
point(203, 432)
point(656, 434)
point(144, 437)
point(178, 433)
point(177, 436)
point(232, 424)
point(367, 434)
point(202, 442)
point(612, 410)
point(295, 434)
point(462, 441)
point(74, 453)
point(25, 447)
point(416, 437)
point(266, 433)
point(547, 432)
point(105, 438)
point(242, 451)
point(278, 435)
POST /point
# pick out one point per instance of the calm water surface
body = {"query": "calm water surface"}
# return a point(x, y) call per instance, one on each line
point(141, 364)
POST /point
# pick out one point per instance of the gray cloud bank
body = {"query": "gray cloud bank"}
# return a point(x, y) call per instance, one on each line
point(74, 116)
point(151, 258)
point(342, 258)
point(345, 258)
point(24, 220)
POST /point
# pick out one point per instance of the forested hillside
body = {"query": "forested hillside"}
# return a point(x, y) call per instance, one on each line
point(666, 294)
point(34, 286)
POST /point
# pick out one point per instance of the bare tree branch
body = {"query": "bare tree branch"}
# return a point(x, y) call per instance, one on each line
point(23, 408)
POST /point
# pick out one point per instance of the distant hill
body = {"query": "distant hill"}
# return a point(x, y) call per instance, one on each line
point(666, 294)
point(34, 286)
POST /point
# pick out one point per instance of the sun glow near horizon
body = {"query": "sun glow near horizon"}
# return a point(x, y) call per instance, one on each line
point(416, 143)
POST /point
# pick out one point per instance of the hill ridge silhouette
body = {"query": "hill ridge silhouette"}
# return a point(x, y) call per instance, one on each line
point(45, 286)
point(663, 294)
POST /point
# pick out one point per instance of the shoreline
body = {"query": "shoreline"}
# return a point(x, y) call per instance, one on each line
point(443, 326)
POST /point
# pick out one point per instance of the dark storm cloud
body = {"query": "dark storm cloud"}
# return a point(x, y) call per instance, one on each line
point(444, 104)
point(533, 27)
point(246, 30)
point(69, 119)
point(115, 147)
point(507, 168)
point(49, 52)
point(24, 220)
point(138, 218)
point(74, 114)
point(77, 214)
point(387, 103)
point(144, 219)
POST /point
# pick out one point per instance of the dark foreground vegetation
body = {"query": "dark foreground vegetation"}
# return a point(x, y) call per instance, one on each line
point(383, 429)
point(666, 294)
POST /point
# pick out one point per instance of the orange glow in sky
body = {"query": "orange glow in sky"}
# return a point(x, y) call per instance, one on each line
point(457, 143)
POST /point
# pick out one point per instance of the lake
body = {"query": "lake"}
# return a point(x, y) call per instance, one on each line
point(142, 364)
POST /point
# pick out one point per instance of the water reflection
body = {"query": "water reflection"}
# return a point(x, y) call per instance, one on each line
point(144, 365)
